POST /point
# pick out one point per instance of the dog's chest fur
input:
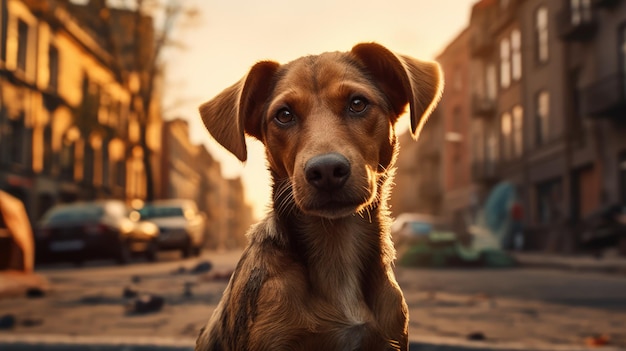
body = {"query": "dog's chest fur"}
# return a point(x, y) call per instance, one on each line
point(336, 263)
point(335, 259)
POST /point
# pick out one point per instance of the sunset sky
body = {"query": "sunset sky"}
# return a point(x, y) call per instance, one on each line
point(230, 36)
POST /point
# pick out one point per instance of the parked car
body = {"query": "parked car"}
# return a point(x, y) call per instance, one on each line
point(603, 229)
point(181, 225)
point(97, 229)
point(415, 227)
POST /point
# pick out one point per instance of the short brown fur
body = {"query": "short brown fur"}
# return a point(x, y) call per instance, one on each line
point(318, 271)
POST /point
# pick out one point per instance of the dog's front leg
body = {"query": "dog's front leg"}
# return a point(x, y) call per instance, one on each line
point(392, 315)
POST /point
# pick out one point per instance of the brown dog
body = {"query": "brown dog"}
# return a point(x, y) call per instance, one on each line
point(317, 273)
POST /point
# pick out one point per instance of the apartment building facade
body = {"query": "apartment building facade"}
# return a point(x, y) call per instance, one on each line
point(67, 127)
point(536, 97)
point(548, 109)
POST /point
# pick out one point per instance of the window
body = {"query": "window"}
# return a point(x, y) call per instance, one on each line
point(622, 176)
point(516, 55)
point(105, 171)
point(68, 157)
point(541, 27)
point(542, 117)
point(22, 45)
point(580, 11)
point(511, 134)
point(89, 164)
point(549, 201)
point(119, 172)
point(48, 162)
point(457, 81)
point(506, 128)
point(511, 59)
point(17, 141)
point(505, 63)
point(518, 134)
point(457, 120)
point(623, 48)
point(4, 134)
point(53, 67)
point(491, 151)
point(478, 144)
point(492, 81)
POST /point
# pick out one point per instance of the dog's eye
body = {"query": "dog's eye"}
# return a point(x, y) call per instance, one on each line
point(284, 116)
point(358, 104)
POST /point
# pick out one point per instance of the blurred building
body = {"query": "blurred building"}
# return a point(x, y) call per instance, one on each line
point(239, 216)
point(459, 191)
point(178, 164)
point(190, 172)
point(59, 140)
point(535, 90)
point(69, 125)
point(418, 181)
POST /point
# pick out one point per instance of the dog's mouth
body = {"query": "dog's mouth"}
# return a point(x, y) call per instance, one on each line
point(331, 187)
point(332, 206)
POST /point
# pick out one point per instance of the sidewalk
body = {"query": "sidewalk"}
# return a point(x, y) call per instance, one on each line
point(17, 283)
point(616, 265)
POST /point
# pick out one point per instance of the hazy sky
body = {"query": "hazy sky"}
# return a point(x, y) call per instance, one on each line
point(230, 36)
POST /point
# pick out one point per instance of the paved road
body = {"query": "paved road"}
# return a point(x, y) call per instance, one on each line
point(596, 290)
point(582, 289)
point(527, 306)
point(531, 306)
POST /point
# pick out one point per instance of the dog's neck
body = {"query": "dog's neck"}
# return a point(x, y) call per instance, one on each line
point(339, 254)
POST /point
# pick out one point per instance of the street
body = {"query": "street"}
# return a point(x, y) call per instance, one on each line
point(89, 300)
point(575, 289)
point(531, 306)
point(522, 305)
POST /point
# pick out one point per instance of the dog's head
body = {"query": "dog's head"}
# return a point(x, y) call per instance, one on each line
point(327, 121)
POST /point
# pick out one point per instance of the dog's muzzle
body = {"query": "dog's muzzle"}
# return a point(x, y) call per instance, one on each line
point(327, 172)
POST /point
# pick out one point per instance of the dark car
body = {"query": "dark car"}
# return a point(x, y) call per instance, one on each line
point(181, 225)
point(604, 228)
point(98, 229)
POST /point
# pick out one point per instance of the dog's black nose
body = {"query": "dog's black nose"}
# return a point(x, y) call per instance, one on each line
point(327, 172)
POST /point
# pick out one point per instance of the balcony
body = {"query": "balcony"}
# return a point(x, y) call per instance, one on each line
point(484, 171)
point(41, 7)
point(577, 27)
point(605, 98)
point(484, 107)
point(605, 3)
point(481, 44)
point(505, 16)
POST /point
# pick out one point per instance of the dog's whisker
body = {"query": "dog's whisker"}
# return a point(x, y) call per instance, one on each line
point(286, 205)
point(284, 197)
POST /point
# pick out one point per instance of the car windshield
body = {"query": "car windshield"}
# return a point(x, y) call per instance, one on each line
point(85, 212)
point(160, 211)
point(420, 227)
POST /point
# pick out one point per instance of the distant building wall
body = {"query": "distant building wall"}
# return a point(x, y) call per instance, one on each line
point(570, 162)
point(67, 131)
point(189, 171)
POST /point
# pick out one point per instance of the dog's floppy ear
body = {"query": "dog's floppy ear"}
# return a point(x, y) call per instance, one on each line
point(404, 80)
point(236, 111)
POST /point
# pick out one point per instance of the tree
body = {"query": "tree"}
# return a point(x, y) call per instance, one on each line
point(138, 45)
